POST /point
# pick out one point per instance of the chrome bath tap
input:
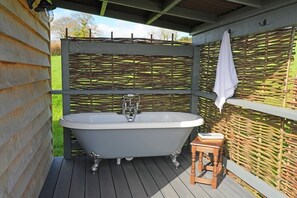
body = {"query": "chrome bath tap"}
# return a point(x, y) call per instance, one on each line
point(130, 104)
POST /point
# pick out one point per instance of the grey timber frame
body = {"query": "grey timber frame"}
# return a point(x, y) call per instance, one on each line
point(72, 46)
point(66, 97)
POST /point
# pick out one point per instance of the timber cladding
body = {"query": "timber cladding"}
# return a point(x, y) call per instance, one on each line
point(25, 111)
point(263, 144)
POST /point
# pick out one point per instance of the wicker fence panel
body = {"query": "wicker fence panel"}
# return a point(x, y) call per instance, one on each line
point(263, 144)
point(119, 72)
point(257, 142)
point(289, 159)
point(262, 62)
point(89, 71)
point(112, 103)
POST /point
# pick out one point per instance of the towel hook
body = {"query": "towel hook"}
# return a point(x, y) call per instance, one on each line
point(264, 23)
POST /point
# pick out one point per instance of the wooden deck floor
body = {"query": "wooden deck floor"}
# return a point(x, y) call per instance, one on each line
point(139, 178)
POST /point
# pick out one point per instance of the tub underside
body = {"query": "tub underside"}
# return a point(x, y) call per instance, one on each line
point(127, 143)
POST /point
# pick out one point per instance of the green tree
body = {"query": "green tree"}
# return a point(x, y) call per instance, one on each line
point(85, 22)
point(78, 25)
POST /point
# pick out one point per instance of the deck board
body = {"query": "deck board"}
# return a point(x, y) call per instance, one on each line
point(175, 181)
point(92, 182)
point(105, 179)
point(165, 187)
point(120, 182)
point(78, 178)
point(133, 180)
point(149, 184)
point(196, 190)
point(141, 177)
point(64, 180)
point(53, 175)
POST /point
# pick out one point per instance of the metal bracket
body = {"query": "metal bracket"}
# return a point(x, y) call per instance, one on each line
point(173, 157)
point(96, 160)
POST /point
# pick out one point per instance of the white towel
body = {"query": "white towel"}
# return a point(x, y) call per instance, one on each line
point(226, 77)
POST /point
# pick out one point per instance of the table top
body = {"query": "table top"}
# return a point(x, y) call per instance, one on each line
point(214, 143)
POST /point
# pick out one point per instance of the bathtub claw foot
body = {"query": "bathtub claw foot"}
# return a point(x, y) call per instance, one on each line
point(96, 160)
point(173, 156)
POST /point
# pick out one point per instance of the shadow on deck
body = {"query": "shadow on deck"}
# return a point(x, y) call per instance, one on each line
point(139, 178)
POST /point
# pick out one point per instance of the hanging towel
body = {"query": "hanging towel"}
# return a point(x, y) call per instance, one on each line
point(226, 77)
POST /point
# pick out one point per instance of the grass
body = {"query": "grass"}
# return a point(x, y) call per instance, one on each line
point(57, 105)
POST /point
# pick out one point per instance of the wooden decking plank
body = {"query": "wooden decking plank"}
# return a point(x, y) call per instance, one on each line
point(52, 177)
point(207, 188)
point(64, 181)
point(185, 177)
point(105, 179)
point(119, 180)
point(147, 180)
point(174, 180)
point(143, 177)
point(237, 187)
point(134, 182)
point(164, 186)
point(92, 182)
point(222, 186)
point(77, 189)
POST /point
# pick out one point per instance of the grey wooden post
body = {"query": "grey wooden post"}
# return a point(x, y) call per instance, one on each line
point(195, 84)
point(66, 97)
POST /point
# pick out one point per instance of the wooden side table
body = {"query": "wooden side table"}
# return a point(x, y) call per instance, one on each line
point(207, 146)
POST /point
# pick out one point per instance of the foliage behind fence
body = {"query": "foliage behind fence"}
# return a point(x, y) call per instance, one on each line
point(263, 144)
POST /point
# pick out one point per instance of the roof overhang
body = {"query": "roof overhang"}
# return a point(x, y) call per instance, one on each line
point(190, 16)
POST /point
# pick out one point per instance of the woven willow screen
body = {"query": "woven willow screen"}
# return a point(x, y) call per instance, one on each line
point(132, 72)
point(263, 144)
point(118, 72)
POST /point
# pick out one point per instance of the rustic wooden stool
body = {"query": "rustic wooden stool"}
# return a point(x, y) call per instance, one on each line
point(209, 146)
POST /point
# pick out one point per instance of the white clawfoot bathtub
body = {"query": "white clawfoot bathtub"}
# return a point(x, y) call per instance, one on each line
point(109, 135)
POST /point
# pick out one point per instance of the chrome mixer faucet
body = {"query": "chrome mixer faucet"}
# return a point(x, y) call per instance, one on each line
point(130, 104)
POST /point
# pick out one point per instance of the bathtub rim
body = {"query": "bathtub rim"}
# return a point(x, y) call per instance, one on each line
point(196, 121)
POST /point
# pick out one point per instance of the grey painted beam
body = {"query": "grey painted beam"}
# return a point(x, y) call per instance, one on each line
point(139, 19)
point(118, 15)
point(120, 92)
point(131, 49)
point(195, 79)
point(175, 11)
point(103, 7)
point(269, 109)
point(252, 180)
point(76, 6)
point(194, 86)
point(211, 96)
point(252, 3)
point(192, 14)
point(246, 20)
point(168, 5)
point(66, 98)
point(264, 108)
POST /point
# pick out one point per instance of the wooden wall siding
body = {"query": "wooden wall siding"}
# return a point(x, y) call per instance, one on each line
point(25, 112)
point(263, 144)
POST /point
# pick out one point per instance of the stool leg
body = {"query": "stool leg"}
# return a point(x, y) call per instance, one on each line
point(214, 181)
point(220, 159)
point(193, 174)
point(200, 162)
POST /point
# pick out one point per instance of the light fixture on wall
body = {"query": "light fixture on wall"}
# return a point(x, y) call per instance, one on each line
point(45, 7)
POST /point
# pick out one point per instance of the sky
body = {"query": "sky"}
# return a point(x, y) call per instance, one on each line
point(119, 28)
